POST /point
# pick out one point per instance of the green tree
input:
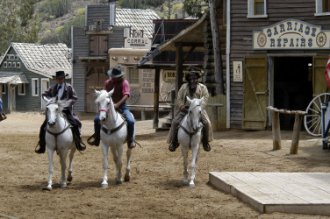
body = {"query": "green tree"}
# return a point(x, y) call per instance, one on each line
point(195, 8)
point(18, 23)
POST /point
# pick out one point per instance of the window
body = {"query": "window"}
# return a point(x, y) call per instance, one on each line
point(8, 64)
point(322, 7)
point(5, 64)
point(3, 88)
point(14, 64)
point(18, 64)
point(21, 89)
point(257, 9)
point(133, 75)
point(35, 87)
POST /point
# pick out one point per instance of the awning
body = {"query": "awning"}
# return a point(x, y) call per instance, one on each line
point(15, 79)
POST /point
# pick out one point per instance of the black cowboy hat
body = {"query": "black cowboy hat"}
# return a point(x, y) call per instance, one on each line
point(193, 71)
point(60, 74)
point(116, 72)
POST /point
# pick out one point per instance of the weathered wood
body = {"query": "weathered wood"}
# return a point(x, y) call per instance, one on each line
point(296, 134)
point(156, 98)
point(276, 130)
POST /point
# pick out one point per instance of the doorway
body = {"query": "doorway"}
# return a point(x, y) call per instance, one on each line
point(292, 86)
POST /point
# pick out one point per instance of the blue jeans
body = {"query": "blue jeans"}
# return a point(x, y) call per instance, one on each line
point(129, 120)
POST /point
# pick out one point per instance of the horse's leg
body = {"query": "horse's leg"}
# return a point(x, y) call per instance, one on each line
point(194, 156)
point(117, 152)
point(128, 165)
point(73, 150)
point(50, 154)
point(63, 154)
point(185, 150)
point(105, 153)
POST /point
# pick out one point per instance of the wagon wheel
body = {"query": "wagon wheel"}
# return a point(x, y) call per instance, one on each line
point(312, 119)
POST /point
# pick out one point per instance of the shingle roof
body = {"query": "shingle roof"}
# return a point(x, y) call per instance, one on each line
point(45, 59)
point(138, 19)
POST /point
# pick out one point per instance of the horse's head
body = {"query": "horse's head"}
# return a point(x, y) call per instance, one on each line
point(195, 112)
point(54, 107)
point(104, 103)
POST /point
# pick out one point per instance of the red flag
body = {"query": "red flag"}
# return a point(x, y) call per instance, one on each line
point(327, 73)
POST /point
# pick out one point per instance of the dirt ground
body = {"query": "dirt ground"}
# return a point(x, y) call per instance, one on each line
point(156, 189)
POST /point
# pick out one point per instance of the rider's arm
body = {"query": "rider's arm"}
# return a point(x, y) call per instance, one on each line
point(72, 96)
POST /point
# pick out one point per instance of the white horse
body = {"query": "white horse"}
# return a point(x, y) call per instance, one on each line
point(113, 135)
point(59, 138)
point(189, 136)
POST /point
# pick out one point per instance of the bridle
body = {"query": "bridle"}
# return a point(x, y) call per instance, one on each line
point(190, 122)
point(105, 129)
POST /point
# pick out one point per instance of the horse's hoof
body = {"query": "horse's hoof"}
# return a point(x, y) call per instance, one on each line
point(47, 188)
point(127, 178)
point(191, 184)
point(69, 178)
point(63, 185)
point(104, 186)
point(119, 181)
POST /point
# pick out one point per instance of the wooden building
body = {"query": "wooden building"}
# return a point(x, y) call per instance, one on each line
point(278, 52)
point(106, 27)
point(258, 54)
point(26, 71)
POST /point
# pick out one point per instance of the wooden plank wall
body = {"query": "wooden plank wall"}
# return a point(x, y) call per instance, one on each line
point(241, 38)
point(80, 48)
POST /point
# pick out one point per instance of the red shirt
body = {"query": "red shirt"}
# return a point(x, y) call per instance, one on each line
point(121, 89)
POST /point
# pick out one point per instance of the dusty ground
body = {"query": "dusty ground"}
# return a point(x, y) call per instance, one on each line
point(155, 190)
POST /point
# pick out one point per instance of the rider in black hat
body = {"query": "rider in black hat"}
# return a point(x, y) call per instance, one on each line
point(192, 89)
point(64, 91)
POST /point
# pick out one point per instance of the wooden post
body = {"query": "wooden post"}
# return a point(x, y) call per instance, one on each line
point(295, 134)
point(156, 98)
point(276, 130)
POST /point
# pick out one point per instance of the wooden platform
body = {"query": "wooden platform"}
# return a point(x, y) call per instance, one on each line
point(267, 192)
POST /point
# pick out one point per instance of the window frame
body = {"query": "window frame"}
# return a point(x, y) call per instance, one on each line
point(21, 89)
point(35, 89)
point(133, 71)
point(251, 9)
point(319, 8)
point(4, 88)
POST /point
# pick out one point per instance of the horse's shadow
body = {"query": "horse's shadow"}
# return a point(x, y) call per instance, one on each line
point(72, 186)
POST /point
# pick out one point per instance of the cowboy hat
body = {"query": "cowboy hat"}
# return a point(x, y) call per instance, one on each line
point(60, 74)
point(116, 72)
point(193, 71)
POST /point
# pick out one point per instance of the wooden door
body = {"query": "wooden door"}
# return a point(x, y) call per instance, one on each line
point(98, 45)
point(255, 94)
point(319, 83)
point(94, 80)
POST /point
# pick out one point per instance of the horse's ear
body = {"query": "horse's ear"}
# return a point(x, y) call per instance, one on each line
point(46, 99)
point(189, 100)
point(111, 92)
point(97, 92)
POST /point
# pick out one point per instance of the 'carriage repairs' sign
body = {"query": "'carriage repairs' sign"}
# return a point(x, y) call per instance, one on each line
point(291, 34)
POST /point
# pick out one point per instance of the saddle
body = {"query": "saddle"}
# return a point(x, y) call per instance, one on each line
point(2, 116)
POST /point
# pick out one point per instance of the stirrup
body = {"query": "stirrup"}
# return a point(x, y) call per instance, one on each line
point(207, 147)
point(39, 150)
point(131, 145)
point(92, 141)
point(81, 146)
point(173, 147)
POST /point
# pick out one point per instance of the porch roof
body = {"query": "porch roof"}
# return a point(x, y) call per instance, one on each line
point(13, 78)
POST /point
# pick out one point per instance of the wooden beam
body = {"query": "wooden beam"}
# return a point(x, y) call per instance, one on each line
point(179, 67)
point(156, 98)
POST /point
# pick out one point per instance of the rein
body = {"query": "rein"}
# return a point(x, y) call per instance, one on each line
point(195, 131)
point(111, 131)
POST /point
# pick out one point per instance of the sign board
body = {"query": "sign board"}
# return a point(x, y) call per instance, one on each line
point(291, 34)
point(137, 40)
point(237, 71)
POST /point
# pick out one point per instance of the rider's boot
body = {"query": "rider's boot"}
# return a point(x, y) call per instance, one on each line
point(174, 143)
point(41, 146)
point(95, 138)
point(205, 139)
point(76, 136)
